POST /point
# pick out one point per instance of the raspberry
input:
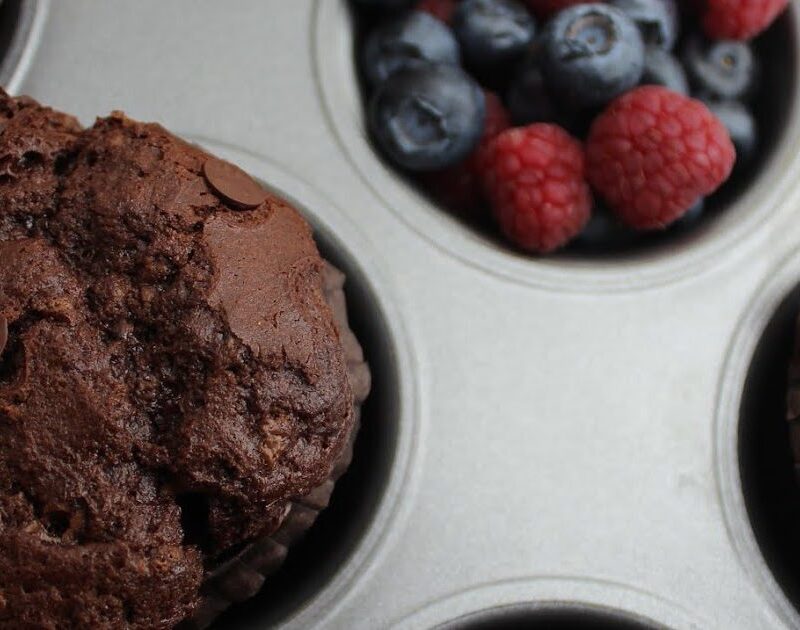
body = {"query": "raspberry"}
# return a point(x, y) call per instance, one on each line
point(546, 8)
point(654, 152)
point(740, 19)
point(534, 180)
point(442, 9)
point(458, 187)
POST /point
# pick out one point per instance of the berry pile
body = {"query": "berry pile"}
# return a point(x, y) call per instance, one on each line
point(566, 120)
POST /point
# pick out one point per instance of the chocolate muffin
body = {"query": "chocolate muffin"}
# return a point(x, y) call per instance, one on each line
point(178, 384)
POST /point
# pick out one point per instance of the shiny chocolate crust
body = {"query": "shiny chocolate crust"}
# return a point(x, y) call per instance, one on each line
point(173, 380)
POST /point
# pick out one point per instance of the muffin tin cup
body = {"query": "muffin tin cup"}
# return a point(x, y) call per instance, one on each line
point(552, 603)
point(693, 253)
point(754, 466)
point(545, 435)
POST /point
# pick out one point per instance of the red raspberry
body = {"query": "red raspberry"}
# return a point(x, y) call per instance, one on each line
point(654, 152)
point(442, 9)
point(545, 8)
point(534, 179)
point(740, 19)
point(458, 187)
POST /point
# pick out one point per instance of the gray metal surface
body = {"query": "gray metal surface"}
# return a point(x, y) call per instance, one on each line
point(562, 431)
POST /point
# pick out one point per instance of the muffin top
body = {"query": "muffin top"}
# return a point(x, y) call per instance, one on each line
point(170, 376)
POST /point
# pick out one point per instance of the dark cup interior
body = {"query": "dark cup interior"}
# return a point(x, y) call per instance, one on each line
point(555, 618)
point(15, 17)
point(313, 562)
point(10, 15)
point(771, 491)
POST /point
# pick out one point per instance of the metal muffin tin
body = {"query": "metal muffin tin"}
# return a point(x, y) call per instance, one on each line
point(549, 441)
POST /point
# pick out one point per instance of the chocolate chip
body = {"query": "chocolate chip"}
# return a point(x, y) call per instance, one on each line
point(233, 185)
point(3, 333)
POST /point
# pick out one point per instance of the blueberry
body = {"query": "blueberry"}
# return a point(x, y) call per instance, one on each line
point(493, 34)
point(409, 40)
point(723, 69)
point(529, 99)
point(657, 20)
point(427, 118)
point(661, 68)
point(740, 125)
point(591, 54)
point(384, 5)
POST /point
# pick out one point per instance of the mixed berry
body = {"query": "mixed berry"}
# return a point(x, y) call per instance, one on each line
point(593, 123)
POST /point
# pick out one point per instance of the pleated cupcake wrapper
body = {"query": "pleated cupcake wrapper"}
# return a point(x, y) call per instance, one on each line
point(241, 577)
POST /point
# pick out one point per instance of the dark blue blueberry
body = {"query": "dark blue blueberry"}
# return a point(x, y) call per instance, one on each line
point(384, 5)
point(493, 34)
point(740, 125)
point(427, 118)
point(407, 41)
point(529, 99)
point(723, 69)
point(661, 68)
point(591, 54)
point(657, 20)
